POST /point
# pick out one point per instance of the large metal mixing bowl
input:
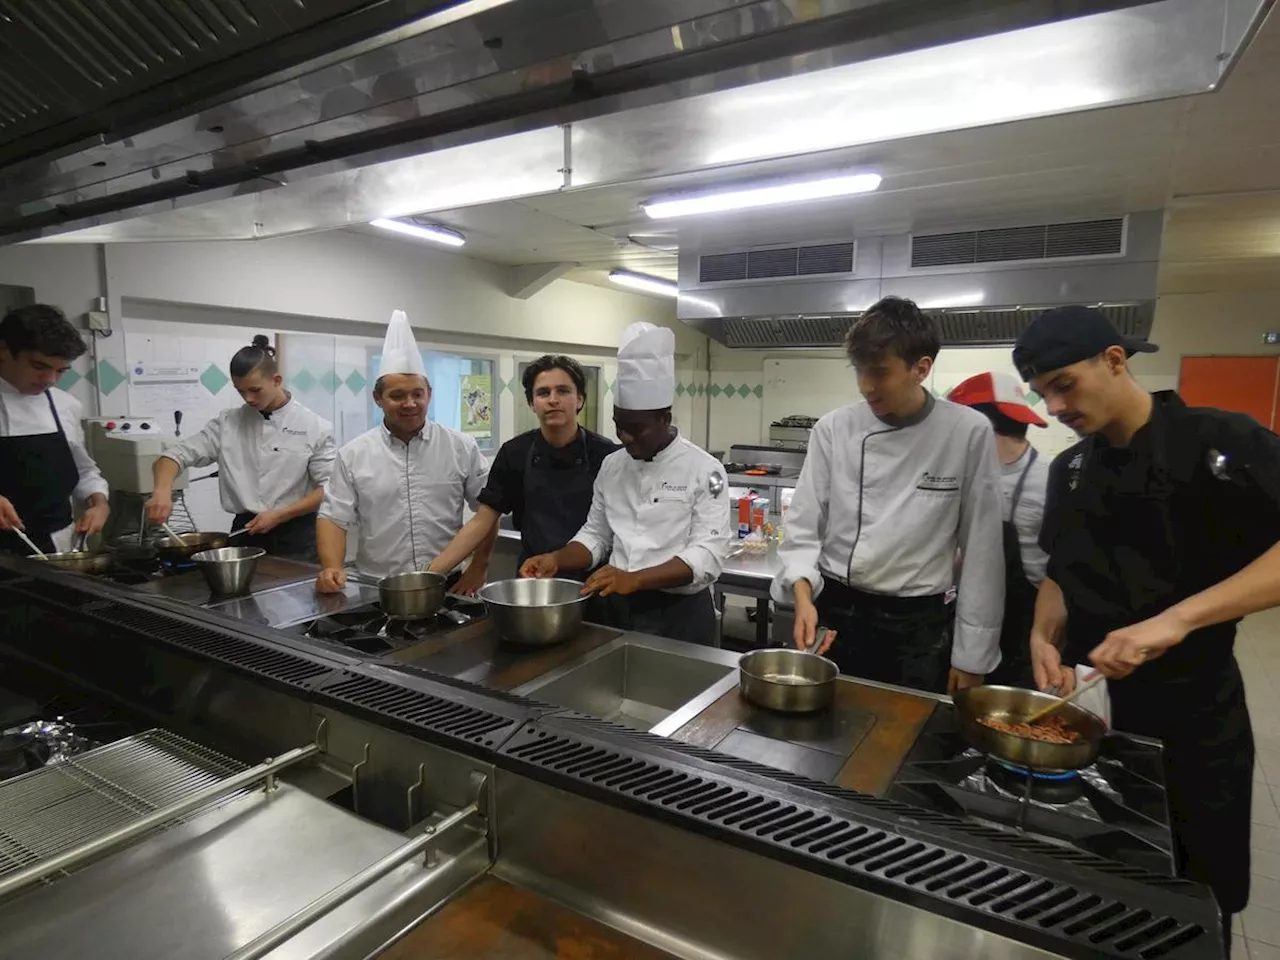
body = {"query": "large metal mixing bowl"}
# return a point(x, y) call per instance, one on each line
point(535, 612)
point(228, 570)
point(412, 596)
point(787, 680)
point(1012, 705)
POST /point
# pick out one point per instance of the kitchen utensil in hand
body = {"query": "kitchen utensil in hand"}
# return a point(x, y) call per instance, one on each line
point(236, 533)
point(30, 544)
point(168, 530)
point(1044, 711)
point(819, 635)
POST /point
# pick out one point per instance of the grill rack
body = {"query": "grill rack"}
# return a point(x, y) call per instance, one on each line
point(57, 808)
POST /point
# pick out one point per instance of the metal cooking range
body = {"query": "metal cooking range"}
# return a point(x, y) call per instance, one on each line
point(1116, 808)
point(369, 630)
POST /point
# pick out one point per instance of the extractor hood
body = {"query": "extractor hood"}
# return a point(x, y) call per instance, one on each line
point(377, 123)
point(983, 285)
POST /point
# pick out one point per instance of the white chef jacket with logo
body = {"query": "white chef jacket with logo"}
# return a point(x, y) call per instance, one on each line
point(884, 510)
point(644, 513)
point(23, 415)
point(264, 463)
point(404, 500)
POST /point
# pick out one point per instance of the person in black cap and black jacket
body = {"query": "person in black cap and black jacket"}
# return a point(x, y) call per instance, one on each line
point(1163, 530)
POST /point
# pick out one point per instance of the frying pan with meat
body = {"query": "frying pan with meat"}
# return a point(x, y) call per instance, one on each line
point(1006, 707)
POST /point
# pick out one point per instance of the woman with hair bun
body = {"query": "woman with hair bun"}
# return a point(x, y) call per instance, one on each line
point(274, 457)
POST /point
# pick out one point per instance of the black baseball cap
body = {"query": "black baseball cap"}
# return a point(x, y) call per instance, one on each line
point(1066, 335)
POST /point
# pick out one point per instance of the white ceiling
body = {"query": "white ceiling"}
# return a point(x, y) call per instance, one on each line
point(1212, 161)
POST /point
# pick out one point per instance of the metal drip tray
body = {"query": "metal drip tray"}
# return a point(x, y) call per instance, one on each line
point(56, 808)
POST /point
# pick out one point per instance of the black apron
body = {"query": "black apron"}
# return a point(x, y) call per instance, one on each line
point(293, 540)
point(676, 616)
point(1019, 602)
point(38, 475)
point(900, 640)
point(557, 498)
point(1136, 535)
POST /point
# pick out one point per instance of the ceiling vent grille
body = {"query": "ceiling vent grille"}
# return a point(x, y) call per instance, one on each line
point(1046, 241)
point(760, 333)
point(817, 260)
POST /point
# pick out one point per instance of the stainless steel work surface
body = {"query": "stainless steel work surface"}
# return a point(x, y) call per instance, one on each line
point(48, 811)
point(750, 570)
point(295, 603)
point(203, 889)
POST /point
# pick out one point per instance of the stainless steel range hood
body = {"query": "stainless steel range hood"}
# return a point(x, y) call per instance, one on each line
point(983, 285)
point(642, 89)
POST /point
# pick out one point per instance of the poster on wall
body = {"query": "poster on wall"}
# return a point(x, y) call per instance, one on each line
point(477, 410)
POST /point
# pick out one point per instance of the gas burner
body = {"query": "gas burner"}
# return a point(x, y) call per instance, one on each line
point(369, 630)
point(1038, 785)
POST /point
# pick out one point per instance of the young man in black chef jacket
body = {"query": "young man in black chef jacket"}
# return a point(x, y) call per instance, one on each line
point(543, 477)
point(1163, 529)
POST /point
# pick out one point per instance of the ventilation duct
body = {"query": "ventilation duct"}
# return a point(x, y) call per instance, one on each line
point(984, 285)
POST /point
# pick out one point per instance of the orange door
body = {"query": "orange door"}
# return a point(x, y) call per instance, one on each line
point(1244, 384)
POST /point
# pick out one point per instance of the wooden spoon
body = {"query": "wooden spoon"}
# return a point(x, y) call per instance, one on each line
point(1044, 711)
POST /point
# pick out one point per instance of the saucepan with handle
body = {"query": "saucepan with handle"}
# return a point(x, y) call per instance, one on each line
point(1013, 705)
point(788, 680)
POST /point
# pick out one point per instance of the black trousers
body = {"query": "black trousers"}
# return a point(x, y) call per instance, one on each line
point(293, 540)
point(676, 616)
point(900, 640)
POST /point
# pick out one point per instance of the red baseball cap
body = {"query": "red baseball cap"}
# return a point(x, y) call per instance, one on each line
point(1004, 391)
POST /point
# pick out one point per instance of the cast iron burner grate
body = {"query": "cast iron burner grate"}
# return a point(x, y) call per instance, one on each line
point(368, 630)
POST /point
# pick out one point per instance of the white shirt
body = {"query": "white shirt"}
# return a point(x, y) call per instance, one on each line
point(644, 513)
point(1030, 512)
point(403, 500)
point(885, 509)
point(22, 415)
point(263, 463)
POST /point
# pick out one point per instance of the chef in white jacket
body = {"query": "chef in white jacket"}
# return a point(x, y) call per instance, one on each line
point(274, 457)
point(891, 488)
point(400, 487)
point(659, 510)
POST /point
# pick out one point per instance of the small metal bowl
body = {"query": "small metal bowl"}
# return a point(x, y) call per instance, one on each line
point(228, 570)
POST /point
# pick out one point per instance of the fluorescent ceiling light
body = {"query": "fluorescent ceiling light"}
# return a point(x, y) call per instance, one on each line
point(436, 234)
point(794, 192)
point(966, 298)
point(643, 282)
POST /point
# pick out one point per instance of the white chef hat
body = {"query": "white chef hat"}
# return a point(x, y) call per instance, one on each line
point(646, 368)
point(400, 353)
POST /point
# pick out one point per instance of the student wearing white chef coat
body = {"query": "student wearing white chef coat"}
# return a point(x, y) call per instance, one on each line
point(400, 487)
point(891, 488)
point(274, 457)
point(659, 509)
point(43, 462)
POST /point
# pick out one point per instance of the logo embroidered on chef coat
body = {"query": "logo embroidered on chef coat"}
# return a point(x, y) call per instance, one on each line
point(1074, 466)
point(673, 487)
point(292, 432)
point(938, 484)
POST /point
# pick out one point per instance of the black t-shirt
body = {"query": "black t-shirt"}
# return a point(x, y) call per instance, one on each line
point(504, 490)
point(1130, 531)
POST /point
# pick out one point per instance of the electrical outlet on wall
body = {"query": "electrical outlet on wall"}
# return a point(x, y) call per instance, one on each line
point(98, 321)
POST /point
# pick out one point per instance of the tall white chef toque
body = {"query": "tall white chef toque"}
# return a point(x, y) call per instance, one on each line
point(646, 368)
point(400, 353)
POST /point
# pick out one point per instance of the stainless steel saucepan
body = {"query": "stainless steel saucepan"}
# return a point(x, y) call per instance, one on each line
point(412, 596)
point(787, 680)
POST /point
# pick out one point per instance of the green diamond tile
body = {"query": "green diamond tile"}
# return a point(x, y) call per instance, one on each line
point(355, 381)
point(702, 389)
point(68, 379)
point(1033, 398)
point(714, 390)
point(744, 391)
point(109, 377)
point(214, 379)
point(729, 389)
point(608, 386)
point(329, 380)
point(758, 390)
point(304, 381)
point(679, 389)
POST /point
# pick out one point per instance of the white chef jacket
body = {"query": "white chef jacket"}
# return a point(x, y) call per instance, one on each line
point(644, 513)
point(22, 415)
point(403, 500)
point(264, 463)
point(1029, 516)
point(884, 509)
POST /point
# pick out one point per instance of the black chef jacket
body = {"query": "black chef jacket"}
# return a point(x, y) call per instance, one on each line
point(1131, 531)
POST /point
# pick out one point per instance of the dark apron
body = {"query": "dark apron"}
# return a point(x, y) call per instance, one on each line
point(556, 501)
point(293, 540)
point(38, 475)
point(1123, 552)
point(1019, 602)
point(899, 640)
point(676, 616)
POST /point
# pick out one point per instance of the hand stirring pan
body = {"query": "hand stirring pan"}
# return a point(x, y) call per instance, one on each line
point(1044, 711)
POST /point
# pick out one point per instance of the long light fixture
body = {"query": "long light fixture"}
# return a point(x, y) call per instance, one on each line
point(449, 238)
point(644, 283)
point(793, 192)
